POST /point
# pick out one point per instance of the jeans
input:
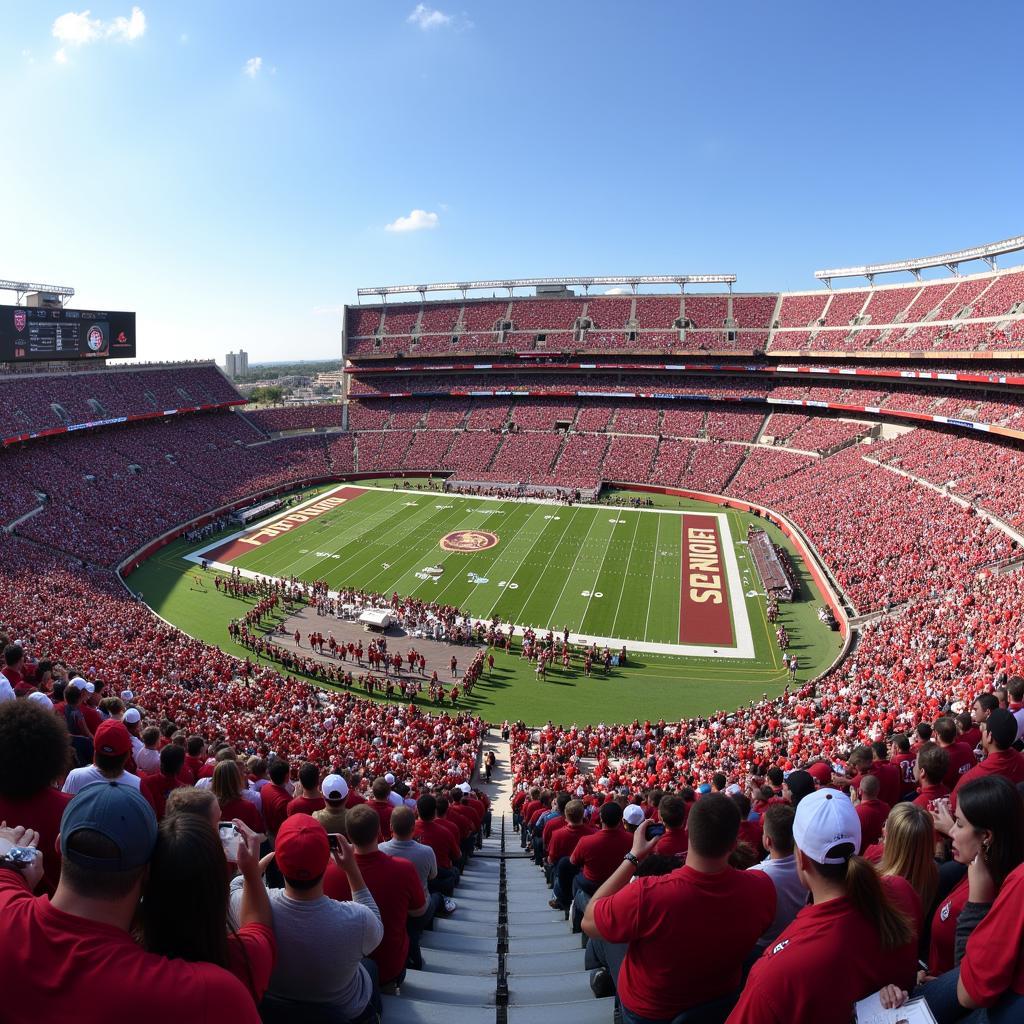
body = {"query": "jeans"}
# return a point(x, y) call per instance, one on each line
point(445, 881)
point(564, 874)
point(940, 995)
point(416, 926)
point(713, 1012)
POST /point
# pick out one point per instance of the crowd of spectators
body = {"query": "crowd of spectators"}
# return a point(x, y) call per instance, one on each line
point(323, 416)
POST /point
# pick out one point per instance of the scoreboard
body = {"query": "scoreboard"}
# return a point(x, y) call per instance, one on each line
point(29, 333)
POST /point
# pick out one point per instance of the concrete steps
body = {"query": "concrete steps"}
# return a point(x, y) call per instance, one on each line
point(474, 973)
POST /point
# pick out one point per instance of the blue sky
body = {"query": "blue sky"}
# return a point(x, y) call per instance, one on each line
point(230, 169)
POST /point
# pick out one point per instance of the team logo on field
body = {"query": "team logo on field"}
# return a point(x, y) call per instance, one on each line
point(20, 319)
point(469, 540)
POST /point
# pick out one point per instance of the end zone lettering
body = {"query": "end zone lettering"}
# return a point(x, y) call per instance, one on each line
point(289, 522)
point(702, 547)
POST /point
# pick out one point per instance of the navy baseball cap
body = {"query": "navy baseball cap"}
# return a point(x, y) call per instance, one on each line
point(119, 813)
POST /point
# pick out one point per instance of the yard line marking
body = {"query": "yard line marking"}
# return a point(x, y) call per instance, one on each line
point(529, 551)
point(611, 533)
point(540, 575)
point(654, 576)
point(622, 585)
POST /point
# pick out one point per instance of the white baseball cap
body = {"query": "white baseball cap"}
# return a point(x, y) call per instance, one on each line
point(334, 787)
point(132, 717)
point(78, 683)
point(633, 814)
point(41, 698)
point(825, 819)
point(465, 787)
point(127, 695)
point(389, 779)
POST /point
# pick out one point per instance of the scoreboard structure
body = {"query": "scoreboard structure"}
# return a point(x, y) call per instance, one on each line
point(36, 333)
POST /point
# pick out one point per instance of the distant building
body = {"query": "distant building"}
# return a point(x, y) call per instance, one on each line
point(236, 364)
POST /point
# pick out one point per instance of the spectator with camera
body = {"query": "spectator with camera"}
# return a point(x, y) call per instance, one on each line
point(108, 835)
point(396, 889)
point(669, 966)
point(309, 926)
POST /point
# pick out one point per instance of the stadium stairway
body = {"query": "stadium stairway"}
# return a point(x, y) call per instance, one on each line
point(503, 956)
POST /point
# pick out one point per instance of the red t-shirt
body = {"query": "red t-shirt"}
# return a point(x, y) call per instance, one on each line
point(440, 840)
point(155, 788)
point(994, 961)
point(252, 954)
point(961, 761)
point(41, 812)
point(599, 855)
point(565, 839)
point(305, 805)
point(463, 820)
point(452, 829)
point(396, 889)
point(905, 765)
point(930, 793)
point(194, 765)
point(890, 782)
point(244, 811)
point(688, 934)
point(796, 978)
point(353, 799)
point(73, 980)
point(751, 833)
point(275, 805)
point(383, 810)
point(674, 843)
point(872, 814)
point(550, 827)
point(1000, 762)
point(943, 938)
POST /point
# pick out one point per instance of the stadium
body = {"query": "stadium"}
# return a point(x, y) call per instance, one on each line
point(590, 608)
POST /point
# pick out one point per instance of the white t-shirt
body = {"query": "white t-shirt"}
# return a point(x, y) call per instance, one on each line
point(6, 690)
point(791, 895)
point(79, 778)
point(147, 760)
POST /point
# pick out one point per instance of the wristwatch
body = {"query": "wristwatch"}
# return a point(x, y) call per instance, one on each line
point(632, 858)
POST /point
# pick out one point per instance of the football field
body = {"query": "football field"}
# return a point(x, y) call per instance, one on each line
point(658, 580)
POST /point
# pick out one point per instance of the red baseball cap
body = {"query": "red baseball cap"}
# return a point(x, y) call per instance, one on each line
point(821, 772)
point(301, 849)
point(112, 739)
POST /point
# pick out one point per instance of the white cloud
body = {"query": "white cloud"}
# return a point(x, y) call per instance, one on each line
point(617, 291)
point(418, 220)
point(252, 66)
point(426, 18)
point(77, 28)
point(128, 29)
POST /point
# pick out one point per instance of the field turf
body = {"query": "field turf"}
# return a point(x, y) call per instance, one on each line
point(383, 538)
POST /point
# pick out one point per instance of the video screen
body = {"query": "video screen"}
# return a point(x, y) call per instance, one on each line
point(28, 334)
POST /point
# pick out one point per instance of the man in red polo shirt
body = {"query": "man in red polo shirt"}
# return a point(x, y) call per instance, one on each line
point(432, 833)
point(458, 825)
point(961, 757)
point(890, 779)
point(195, 757)
point(596, 857)
point(670, 966)
point(309, 798)
point(871, 811)
point(560, 847)
point(395, 888)
point(998, 734)
point(382, 806)
point(929, 770)
point(155, 787)
point(276, 795)
point(899, 755)
point(672, 812)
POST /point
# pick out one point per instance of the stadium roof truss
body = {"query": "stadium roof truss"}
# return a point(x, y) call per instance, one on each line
point(678, 280)
point(950, 260)
point(22, 288)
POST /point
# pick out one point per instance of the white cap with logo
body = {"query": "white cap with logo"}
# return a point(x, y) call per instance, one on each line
point(825, 819)
point(334, 787)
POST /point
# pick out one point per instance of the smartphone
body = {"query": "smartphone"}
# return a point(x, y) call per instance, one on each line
point(230, 837)
point(655, 828)
point(334, 840)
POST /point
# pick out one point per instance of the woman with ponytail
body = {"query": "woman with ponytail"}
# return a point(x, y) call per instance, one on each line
point(908, 851)
point(858, 934)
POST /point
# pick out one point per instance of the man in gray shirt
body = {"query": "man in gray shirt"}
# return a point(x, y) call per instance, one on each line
point(320, 942)
point(780, 867)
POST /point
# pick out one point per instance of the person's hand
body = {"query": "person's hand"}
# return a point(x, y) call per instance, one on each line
point(18, 835)
point(981, 888)
point(345, 855)
point(941, 815)
point(892, 996)
point(248, 851)
point(641, 844)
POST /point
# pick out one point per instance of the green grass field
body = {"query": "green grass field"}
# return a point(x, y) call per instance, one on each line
point(561, 558)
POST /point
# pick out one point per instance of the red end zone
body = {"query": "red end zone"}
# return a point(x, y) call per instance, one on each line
point(276, 527)
point(704, 616)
